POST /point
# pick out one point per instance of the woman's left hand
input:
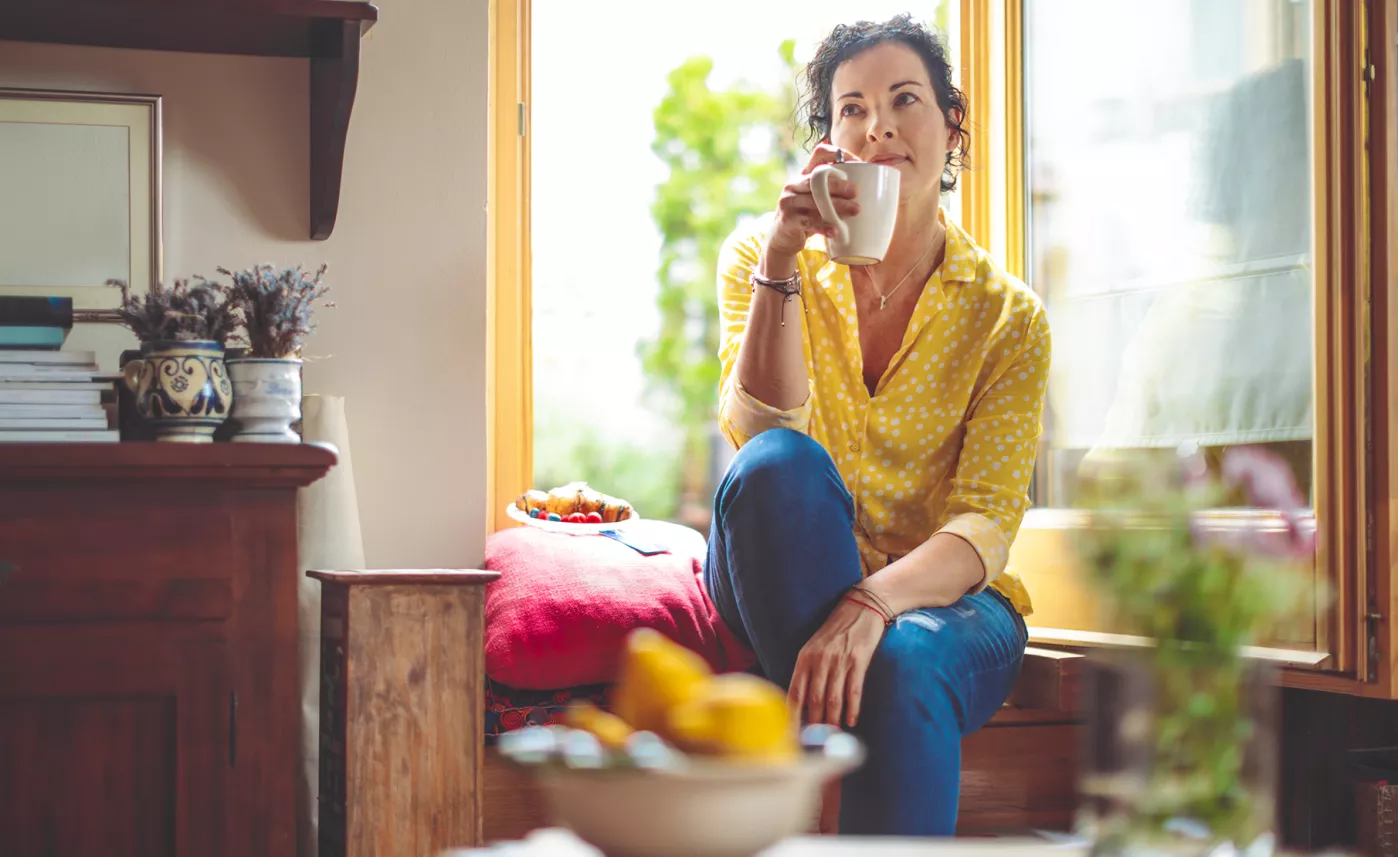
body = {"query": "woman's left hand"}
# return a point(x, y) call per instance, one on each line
point(828, 681)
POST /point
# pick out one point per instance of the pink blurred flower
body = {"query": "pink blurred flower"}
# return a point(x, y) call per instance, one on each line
point(1268, 484)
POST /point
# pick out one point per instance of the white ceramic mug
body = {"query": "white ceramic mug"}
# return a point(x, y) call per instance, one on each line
point(862, 239)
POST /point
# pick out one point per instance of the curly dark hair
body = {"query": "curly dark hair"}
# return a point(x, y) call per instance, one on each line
point(845, 41)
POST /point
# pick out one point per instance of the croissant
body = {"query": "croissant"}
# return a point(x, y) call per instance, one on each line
point(590, 500)
point(614, 509)
point(565, 499)
point(531, 499)
point(576, 497)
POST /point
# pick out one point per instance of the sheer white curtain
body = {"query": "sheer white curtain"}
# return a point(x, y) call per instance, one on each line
point(1171, 219)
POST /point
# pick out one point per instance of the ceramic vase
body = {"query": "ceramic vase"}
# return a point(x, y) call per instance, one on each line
point(181, 389)
point(1181, 757)
point(266, 399)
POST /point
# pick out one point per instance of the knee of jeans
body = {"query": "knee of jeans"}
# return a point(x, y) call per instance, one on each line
point(781, 460)
point(904, 669)
point(897, 662)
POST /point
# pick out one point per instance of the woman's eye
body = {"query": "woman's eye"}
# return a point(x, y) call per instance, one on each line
point(849, 109)
point(905, 98)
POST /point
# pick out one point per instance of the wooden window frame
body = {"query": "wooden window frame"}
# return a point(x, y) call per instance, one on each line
point(509, 314)
point(1356, 468)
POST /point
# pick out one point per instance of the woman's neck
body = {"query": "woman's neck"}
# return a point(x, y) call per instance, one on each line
point(917, 227)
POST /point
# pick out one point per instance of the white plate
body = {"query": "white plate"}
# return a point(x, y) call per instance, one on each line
point(563, 526)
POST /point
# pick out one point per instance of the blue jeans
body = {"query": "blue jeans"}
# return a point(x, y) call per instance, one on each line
point(781, 552)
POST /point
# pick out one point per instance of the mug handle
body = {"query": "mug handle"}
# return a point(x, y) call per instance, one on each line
point(131, 373)
point(820, 189)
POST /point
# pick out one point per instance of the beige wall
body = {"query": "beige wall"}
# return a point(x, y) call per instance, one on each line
point(406, 344)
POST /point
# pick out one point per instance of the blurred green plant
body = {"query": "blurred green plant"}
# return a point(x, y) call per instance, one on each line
point(1202, 593)
point(729, 153)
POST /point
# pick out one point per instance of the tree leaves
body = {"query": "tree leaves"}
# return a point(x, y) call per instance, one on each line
point(729, 153)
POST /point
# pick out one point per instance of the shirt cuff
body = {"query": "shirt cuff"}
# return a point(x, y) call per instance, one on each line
point(752, 417)
point(987, 539)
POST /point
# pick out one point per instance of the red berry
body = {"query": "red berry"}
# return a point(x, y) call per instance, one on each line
point(594, 518)
point(576, 518)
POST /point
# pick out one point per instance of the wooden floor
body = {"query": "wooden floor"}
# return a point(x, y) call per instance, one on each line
point(1018, 772)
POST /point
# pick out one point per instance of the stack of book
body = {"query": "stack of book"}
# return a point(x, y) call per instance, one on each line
point(48, 395)
point(53, 397)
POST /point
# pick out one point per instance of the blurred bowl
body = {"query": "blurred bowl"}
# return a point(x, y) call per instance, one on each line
point(689, 806)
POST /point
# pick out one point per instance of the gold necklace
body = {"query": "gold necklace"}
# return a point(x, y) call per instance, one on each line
point(883, 299)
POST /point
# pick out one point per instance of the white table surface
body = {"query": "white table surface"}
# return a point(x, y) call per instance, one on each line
point(560, 843)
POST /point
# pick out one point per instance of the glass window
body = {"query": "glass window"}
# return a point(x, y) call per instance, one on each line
point(1170, 224)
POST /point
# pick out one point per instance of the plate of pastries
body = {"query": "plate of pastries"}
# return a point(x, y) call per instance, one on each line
point(572, 508)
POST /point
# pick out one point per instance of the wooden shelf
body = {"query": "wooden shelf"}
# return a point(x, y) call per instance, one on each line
point(327, 32)
point(51, 465)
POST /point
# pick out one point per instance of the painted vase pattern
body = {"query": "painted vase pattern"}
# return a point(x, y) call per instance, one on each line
point(182, 389)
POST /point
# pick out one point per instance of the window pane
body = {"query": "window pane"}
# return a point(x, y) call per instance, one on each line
point(1170, 228)
point(1171, 224)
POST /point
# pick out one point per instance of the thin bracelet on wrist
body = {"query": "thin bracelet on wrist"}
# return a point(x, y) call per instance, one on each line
point(873, 596)
point(787, 288)
point(853, 594)
point(871, 608)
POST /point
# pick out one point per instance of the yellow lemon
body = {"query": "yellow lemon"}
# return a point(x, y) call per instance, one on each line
point(656, 675)
point(609, 729)
point(737, 716)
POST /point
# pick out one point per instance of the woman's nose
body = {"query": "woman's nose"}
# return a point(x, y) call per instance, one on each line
point(878, 130)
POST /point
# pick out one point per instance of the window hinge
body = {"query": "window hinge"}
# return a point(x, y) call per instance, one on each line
point(522, 126)
point(1371, 621)
point(232, 729)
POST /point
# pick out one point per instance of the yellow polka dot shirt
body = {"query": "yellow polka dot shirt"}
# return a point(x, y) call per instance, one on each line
point(947, 442)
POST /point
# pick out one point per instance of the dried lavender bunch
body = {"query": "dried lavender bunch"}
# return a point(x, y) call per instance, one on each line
point(277, 307)
point(183, 312)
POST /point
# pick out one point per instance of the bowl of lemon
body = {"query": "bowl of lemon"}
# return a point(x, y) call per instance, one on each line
point(686, 764)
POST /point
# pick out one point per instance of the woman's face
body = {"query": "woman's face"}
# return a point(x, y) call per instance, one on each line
point(883, 109)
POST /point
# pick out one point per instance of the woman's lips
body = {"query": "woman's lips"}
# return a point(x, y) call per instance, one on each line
point(889, 160)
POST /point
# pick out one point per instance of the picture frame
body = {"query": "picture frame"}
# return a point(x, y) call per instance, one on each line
point(81, 196)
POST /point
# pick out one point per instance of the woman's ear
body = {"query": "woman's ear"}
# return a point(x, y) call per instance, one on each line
point(954, 119)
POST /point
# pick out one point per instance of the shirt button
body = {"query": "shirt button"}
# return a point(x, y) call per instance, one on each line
point(853, 446)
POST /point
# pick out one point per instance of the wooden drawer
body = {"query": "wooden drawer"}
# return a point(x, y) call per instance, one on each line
point(110, 553)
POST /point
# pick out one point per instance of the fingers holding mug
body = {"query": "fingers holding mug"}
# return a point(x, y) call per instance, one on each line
point(798, 214)
point(826, 153)
point(821, 192)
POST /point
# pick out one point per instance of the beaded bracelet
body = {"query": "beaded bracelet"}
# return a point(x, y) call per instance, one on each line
point(787, 288)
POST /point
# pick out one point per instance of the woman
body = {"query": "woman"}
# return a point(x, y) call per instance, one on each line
point(885, 443)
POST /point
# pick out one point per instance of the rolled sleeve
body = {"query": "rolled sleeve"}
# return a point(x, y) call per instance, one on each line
point(742, 416)
point(986, 538)
point(990, 490)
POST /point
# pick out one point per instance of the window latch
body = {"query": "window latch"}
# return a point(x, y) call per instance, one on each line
point(1372, 622)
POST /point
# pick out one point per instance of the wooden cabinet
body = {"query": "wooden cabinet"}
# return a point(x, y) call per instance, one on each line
point(148, 639)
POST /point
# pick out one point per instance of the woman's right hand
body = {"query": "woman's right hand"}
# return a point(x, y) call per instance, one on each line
point(797, 216)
